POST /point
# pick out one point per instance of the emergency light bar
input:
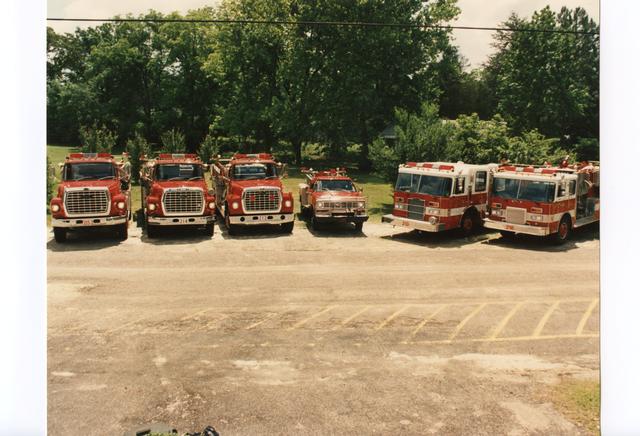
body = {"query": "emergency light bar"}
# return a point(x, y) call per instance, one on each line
point(177, 156)
point(89, 155)
point(264, 156)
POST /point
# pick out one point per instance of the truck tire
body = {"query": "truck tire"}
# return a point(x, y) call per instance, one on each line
point(287, 227)
point(315, 224)
point(469, 222)
point(208, 229)
point(564, 231)
point(507, 234)
point(60, 234)
point(358, 227)
point(122, 231)
point(231, 228)
point(152, 232)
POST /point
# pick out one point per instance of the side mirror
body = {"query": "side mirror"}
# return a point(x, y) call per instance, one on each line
point(124, 184)
point(205, 167)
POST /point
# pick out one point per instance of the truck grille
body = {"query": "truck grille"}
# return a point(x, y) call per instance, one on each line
point(261, 200)
point(516, 215)
point(183, 201)
point(415, 209)
point(86, 202)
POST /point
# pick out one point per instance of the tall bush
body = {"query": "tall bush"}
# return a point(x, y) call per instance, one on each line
point(137, 147)
point(97, 139)
point(173, 141)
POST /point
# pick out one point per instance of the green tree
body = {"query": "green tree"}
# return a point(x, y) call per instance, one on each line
point(138, 148)
point(173, 141)
point(549, 81)
point(97, 139)
point(208, 149)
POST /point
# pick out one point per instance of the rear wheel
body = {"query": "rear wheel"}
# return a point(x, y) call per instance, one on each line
point(315, 224)
point(60, 234)
point(287, 227)
point(122, 231)
point(507, 235)
point(564, 230)
point(152, 231)
point(358, 227)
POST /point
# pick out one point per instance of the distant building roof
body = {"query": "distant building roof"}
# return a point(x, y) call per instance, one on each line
point(389, 132)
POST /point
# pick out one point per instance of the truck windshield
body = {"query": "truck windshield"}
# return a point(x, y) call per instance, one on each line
point(89, 171)
point(336, 185)
point(423, 184)
point(178, 172)
point(254, 171)
point(517, 189)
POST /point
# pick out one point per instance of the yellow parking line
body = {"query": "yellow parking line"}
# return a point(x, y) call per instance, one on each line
point(586, 316)
point(505, 339)
point(466, 320)
point(392, 317)
point(132, 322)
point(545, 318)
point(256, 324)
point(351, 318)
point(424, 322)
point(306, 320)
point(210, 324)
point(194, 315)
point(505, 320)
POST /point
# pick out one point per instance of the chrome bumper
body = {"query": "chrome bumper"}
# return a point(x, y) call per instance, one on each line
point(88, 221)
point(199, 220)
point(516, 228)
point(413, 224)
point(343, 217)
point(271, 218)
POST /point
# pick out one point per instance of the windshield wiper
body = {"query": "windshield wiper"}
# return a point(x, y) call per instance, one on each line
point(106, 177)
point(81, 178)
point(194, 178)
point(175, 178)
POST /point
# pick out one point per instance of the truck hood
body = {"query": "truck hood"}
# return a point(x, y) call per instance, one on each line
point(166, 184)
point(244, 184)
point(337, 195)
point(112, 185)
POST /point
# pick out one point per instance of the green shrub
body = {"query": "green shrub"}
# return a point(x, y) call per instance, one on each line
point(97, 139)
point(173, 141)
point(137, 147)
point(208, 149)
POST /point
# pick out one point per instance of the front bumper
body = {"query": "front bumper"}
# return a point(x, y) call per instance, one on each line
point(516, 228)
point(340, 217)
point(89, 221)
point(413, 224)
point(271, 218)
point(199, 220)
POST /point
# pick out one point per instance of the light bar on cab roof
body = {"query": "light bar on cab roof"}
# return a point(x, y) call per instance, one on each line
point(88, 155)
point(253, 156)
point(177, 156)
point(429, 165)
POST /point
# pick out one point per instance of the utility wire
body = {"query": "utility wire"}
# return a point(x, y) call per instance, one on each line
point(319, 23)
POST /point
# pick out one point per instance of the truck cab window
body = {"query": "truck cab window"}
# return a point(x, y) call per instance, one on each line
point(481, 181)
point(459, 186)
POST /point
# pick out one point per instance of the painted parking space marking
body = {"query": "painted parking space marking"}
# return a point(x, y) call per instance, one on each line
point(545, 318)
point(505, 320)
point(267, 318)
point(391, 317)
point(586, 316)
point(306, 320)
point(424, 322)
point(351, 318)
point(462, 323)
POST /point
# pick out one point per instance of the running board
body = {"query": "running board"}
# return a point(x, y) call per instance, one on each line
point(584, 221)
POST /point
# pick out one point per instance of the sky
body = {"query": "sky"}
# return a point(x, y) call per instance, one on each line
point(475, 45)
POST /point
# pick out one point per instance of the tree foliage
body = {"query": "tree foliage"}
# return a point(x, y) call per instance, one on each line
point(97, 139)
point(138, 148)
point(173, 141)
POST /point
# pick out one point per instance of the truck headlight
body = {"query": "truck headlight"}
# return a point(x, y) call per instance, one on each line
point(360, 204)
point(535, 217)
point(121, 205)
point(432, 211)
point(235, 205)
point(151, 206)
point(55, 208)
point(433, 220)
point(287, 203)
point(498, 212)
point(212, 205)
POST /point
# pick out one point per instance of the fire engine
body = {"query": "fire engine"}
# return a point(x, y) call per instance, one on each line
point(249, 192)
point(544, 200)
point(331, 196)
point(438, 196)
point(175, 193)
point(94, 192)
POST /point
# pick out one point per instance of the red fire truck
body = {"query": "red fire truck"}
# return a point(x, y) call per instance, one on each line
point(544, 200)
point(175, 193)
point(94, 192)
point(249, 192)
point(331, 196)
point(437, 196)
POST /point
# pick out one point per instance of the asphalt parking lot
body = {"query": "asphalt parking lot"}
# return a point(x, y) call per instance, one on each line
point(332, 332)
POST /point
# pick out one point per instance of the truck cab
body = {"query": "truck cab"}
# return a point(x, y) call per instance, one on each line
point(332, 196)
point(94, 192)
point(175, 193)
point(439, 196)
point(544, 200)
point(249, 191)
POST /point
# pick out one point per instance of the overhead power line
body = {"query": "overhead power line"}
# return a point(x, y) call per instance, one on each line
point(318, 23)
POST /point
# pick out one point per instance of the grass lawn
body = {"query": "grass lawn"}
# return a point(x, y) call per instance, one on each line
point(379, 193)
point(579, 400)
